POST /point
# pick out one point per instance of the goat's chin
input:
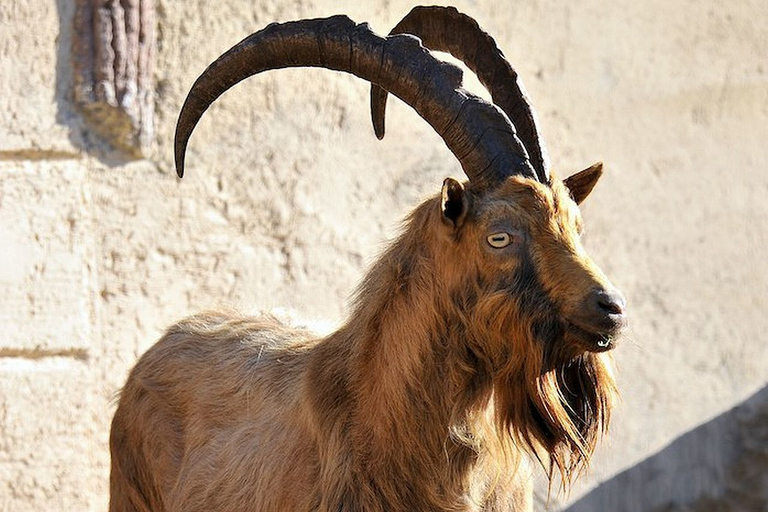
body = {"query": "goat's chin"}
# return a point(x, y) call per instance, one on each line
point(582, 340)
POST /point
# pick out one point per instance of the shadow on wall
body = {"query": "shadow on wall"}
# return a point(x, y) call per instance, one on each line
point(720, 466)
point(65, 112)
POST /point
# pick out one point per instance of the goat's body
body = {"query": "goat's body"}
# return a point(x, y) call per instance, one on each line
point(227, 413)
point(216, 412)
point(425, 400)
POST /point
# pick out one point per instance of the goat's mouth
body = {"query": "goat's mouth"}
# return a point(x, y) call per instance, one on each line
point(589, 340)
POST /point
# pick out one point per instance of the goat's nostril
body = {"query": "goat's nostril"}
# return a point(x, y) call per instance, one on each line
point(612, 303)
point(610, 307)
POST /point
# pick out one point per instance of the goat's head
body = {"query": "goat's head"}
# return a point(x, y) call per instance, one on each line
point(522, 240)
point(539, 308)
point(539, 313)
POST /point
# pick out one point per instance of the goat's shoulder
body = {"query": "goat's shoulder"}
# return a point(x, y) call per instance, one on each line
point(224, 349)
point(227, 333)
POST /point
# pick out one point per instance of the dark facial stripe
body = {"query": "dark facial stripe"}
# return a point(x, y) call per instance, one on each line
point(533, 302)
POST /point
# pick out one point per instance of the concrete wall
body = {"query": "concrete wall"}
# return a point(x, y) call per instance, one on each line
point(288, 197)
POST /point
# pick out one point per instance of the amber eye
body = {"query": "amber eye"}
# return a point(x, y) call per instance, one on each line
point(499, 240)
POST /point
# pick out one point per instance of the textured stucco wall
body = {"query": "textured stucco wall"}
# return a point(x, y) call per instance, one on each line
point(288, 197)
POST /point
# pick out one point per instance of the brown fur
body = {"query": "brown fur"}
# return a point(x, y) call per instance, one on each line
point(456, 361)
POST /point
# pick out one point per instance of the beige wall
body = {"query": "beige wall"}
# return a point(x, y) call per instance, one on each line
point(288, 197)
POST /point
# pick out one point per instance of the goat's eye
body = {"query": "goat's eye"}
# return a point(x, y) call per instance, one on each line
point(499, 240)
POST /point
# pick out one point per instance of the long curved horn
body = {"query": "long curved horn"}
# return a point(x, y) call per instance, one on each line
point(445, 29)
point(478, 133)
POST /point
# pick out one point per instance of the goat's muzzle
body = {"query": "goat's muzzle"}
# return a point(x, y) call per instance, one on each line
point(598, 323)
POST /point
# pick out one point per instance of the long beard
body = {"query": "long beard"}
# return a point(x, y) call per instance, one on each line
point(551, 396)
point(554, 398)
point(558, 408)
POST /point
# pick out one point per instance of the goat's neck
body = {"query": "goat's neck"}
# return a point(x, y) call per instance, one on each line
point(411, 391)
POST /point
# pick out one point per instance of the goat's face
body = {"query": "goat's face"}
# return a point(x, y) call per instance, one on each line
point(539, 311)
point(526, 240)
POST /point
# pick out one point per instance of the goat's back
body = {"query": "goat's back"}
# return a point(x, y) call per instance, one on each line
point(211, 418)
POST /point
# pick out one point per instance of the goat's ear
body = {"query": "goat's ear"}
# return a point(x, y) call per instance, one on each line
point(582, 183)
point(453, 202)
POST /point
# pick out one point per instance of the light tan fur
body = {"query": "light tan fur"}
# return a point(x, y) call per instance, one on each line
point(457, 362)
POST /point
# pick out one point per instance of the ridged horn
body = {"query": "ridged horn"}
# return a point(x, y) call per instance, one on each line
point(478, 133)
point(445, 29)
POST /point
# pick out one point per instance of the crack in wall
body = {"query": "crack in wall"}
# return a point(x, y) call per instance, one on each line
point(36, 354)
point(37, 155)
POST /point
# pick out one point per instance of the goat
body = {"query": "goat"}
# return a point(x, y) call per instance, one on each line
point(477, 339)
